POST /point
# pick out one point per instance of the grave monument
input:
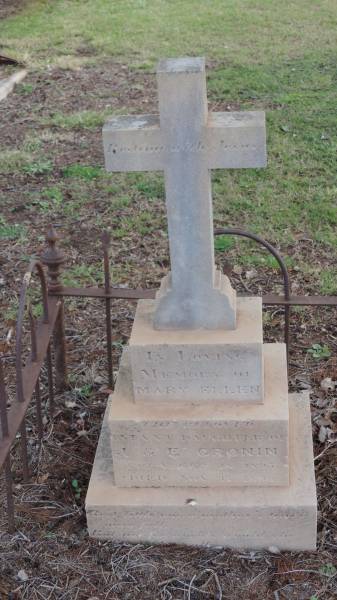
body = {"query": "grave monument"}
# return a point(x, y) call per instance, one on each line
point(201, 442)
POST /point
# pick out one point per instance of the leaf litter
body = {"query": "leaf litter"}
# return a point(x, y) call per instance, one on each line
point(50, 555)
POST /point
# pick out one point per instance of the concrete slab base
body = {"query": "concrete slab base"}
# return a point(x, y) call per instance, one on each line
point(172, 444)
point(198, 365)
point(235, 517)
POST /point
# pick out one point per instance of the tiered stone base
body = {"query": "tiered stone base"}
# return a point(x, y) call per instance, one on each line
point(176, 444)
point(198, 366)
point(236, 517)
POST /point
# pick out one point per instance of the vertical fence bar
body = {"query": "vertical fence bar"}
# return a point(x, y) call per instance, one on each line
point(33, 342)
point(287, 310)
point(34, 357)
point(9, 494)
point(50, 382)
point(60, 358)
point(38, 409)
point(8, 469)
point(107, 281)
point(53, 258)
point(24, 451)
point(3, 404)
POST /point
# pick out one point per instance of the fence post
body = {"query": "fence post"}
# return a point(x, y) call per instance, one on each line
point(53, 258)
point(8, 469)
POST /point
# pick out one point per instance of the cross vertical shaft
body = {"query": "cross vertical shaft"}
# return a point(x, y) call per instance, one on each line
point(183, 114)
point(183, 120)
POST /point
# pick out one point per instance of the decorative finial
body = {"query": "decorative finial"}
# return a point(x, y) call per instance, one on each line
point(53, 258)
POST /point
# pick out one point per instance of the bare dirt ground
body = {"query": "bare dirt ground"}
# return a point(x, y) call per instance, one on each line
point(50, 556)
point(9, 7)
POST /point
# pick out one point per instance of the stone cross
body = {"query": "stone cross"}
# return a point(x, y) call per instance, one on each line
point(186, 142)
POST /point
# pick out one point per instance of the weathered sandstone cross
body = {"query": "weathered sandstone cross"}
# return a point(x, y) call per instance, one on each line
point(186, 142)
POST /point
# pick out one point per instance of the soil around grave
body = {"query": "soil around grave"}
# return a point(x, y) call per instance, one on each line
point(10, 7)
point(51, 556)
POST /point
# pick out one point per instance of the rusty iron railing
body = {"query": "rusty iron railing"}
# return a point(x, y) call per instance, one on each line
point(13, 418)
point(50, 330)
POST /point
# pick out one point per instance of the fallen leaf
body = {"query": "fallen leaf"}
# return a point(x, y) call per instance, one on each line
point(70, 404)
point(327, 384)
point(322, 435)
point(251, 274)
point(237, 269)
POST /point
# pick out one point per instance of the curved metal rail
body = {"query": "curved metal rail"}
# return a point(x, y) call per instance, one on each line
point(33, 265)
point(282, 265)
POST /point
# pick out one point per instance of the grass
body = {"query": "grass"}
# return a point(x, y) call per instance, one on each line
point(25, 88)
point(328, 282)
point(29, 159)
point(264, 54)
point(83, 275)
point(91, 275)
point(86, 172)
point(297, 191)
point(12, 161)
point(86, 119)
point(39, 167)
point(9, 231)
point(142, 30)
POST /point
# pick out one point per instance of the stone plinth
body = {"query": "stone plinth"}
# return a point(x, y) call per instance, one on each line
point(223, 298)
point(206, 445)
point(198, 366)
point(236, 517)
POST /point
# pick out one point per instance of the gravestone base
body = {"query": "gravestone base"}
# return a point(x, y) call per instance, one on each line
point(235, 517)
point(217, 444)
point(215, 308)
point(198, 366)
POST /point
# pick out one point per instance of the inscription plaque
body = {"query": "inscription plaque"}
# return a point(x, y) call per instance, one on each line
point(230, 445)
point(198, 367)
point(283, 516)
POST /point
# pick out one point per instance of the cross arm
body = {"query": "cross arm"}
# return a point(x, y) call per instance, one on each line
point(133, 143)
point(236, 140)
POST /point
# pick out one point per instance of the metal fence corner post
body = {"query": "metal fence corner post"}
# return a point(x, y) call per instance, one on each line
point(53, 258)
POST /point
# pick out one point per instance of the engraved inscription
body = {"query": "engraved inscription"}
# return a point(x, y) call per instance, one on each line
point(200, 431)
point(226, 526)
point(200, 453)
point(237, 452)
point(197, 373)
point(198, 146)
point(285, 514)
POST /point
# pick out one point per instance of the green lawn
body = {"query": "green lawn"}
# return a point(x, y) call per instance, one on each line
point(245, 32)
point(277, 56)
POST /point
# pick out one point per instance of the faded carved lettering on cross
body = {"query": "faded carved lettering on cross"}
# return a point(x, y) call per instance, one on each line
point(186, 142)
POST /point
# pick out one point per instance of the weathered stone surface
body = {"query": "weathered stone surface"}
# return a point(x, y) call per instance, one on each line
point(206, 445)
point(134, 143)
point(236, 517)
point(198, 366)
point(195, 445)
point(186, 143)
